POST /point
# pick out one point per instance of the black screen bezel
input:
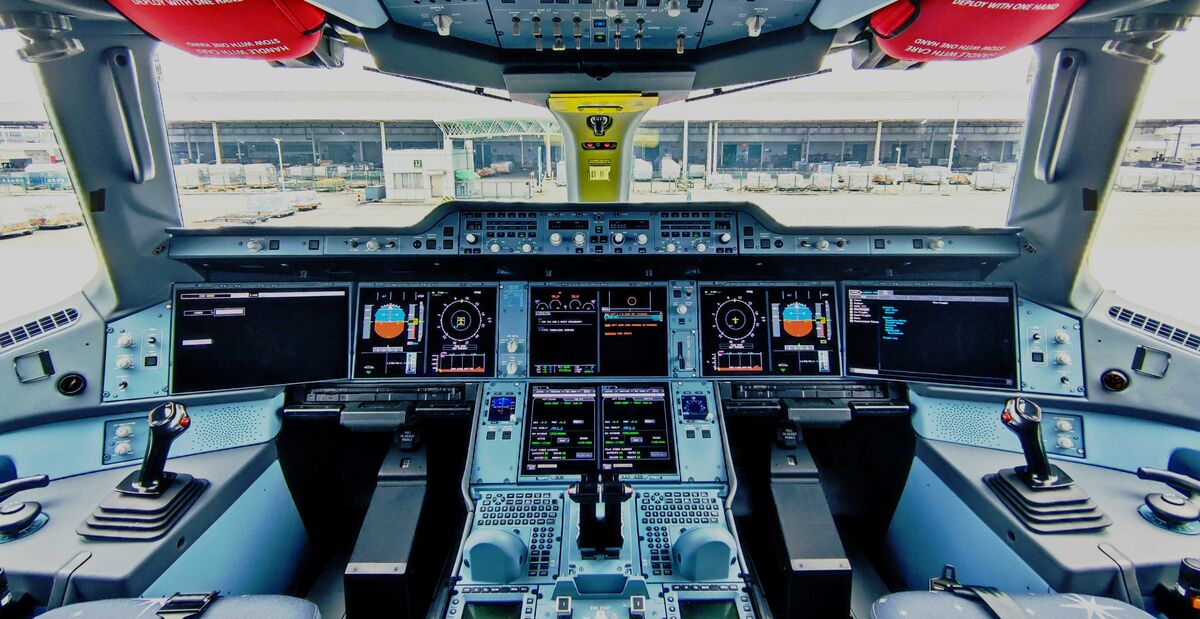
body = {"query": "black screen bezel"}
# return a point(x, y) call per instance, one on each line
point(1013, 355)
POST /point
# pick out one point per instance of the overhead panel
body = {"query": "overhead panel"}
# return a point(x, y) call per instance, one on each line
point(624, 25)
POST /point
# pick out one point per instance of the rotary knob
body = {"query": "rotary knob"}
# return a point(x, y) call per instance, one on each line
point(681, 309)
point(700, 247)
point(494, 248)
point(511, 367)
point(372, 245)
point(822, 244)
point(642, 239)
point(1062, 337)
point(580, 239)
point(618, 238)
point(1062, 358)
point(725, 238)
point(526, 248)
point(123, 448)
point(125, 341)
point(556, 239)
point(124, 362)
point(937, 245)
point(124, 431)
point(512, 346)
point(671, 247)
point(471, 238)
point(254, 245)
point(442, 22)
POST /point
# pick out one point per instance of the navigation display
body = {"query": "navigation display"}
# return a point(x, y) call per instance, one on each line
point(769, 330)
point(410, 332)
point(577, 429)
point(257, 336)
point(590, 331)
point(958, 335)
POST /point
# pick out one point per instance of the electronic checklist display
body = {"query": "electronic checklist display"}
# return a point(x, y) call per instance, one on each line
point(588, 429)
point(598, 331)
point(769, 330)
point(949, 334)
point(235, 338)
point(414, 332)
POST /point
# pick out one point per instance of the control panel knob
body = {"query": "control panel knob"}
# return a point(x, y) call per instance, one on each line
point(123, 448)
point(443, 22)
point(840, 242)
point(372, 245)
point(254, 246)
point(612, 8)
point(937, 244)
point(673, 8)
point(124, 362)
point(511, 367)
point(512, 345)
point(754, 25)
point(1064, 425)
point(556, 239)
point(1065, 442)
point(642, 239)
point(124, 431)
point(1062, 337)
point(494, 248)
point(700, 247)
point(1037, 336)
point(822, 244)
point(671, 247)
point(125, 341)
point(681, 309)
point(1062, 358)
point(725, 237)
point(526, 248)
point(580, 239)
point(618, 238)
point(471, 238)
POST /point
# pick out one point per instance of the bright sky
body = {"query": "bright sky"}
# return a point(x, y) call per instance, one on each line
point(187, 79)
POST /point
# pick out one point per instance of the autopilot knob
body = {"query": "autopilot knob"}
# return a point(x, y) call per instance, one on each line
point(704, 553)
point(642, 239)
point(471, 238)
point(167, 421)
point(579, 239)
point(495, 555)
point(556, 239)
point(618, 238)
point(1024, 418)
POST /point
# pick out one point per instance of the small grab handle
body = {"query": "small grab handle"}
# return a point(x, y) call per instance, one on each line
point(1063, 81)
point(133, 118)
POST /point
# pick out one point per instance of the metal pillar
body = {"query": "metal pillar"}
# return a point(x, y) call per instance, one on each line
point(708, 151)
point(878, 138)
point(216, 142)
point(953, 137)
point(684, 159)
point(550, 169)
point(382, 138)
point(717, 154)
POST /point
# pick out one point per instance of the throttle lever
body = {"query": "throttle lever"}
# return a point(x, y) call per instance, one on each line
point(1170, 507)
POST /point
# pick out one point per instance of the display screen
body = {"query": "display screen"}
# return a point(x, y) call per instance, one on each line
point(958, 335)
point(707, 609)
point(492, 610)
point(258, 336)
point(577, 429)
point(407, 332)
point(769, 330)
point(610, 331)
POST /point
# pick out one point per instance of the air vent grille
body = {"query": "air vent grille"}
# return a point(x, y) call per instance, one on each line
point(1159, 329)
point(35, 328)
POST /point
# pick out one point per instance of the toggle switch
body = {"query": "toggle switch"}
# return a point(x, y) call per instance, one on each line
point(443, 22)
point(754, 25)
point(516, 26)
point(679, 44)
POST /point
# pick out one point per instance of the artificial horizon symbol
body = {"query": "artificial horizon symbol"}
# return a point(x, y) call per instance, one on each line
point(599, 124)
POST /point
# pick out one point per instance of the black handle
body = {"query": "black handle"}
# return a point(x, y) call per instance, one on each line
point(21, 484)
point(1024, 418)
point(167, 422)
point(1178, 481)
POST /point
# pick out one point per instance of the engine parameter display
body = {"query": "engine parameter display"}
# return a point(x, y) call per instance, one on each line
point(411, 332)
point(258, 336)
point(585, 429)
point(593, 331)
point(769, 330)
point(958, 335)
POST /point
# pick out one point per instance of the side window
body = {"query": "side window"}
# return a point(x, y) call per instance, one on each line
point(46, 253)
point(1146, 246)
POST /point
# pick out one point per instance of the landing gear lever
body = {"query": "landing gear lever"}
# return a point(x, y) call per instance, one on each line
point(167, 422)
point(1024, 418)
point(600, 536)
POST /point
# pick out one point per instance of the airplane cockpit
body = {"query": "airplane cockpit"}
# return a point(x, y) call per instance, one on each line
point(594, 405)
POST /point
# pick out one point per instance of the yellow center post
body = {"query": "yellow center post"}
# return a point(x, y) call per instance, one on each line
point(598, 132)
